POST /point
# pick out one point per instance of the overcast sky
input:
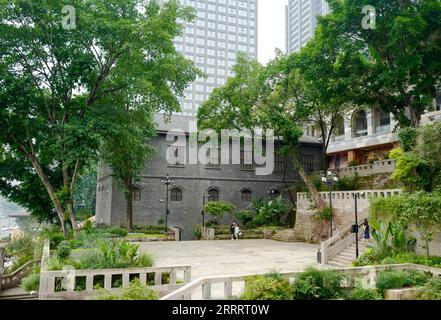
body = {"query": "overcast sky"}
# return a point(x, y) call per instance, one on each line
point(271, 28)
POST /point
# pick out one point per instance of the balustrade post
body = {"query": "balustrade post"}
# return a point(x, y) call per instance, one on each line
point(206, 291)
point(158, 278)
point(143, 278)
point(187, 275)
point(125, 280)
point(173, 277)
point(89, 283)
point(228, 290)
point(107, 281)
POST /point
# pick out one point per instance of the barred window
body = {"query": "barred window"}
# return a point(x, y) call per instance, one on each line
point(308, 162)
point(247, 195)
point(213, 194)
point(246, 160)
point(176, 194)
point(136, 194)
point(279, 162)
point(214, 158)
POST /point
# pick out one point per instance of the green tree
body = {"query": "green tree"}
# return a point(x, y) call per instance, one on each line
point(399, 58)
point(259, 96)
point(218, 208)
point(57, 85)
point(127, 150)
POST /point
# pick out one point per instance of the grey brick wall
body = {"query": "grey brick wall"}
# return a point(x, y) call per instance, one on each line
point(195, 180)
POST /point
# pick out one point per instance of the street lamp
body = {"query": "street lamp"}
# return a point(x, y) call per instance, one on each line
point(330, 179)
point(272, 192)
point(355, 226)
point(203, 209)
point(167, 182)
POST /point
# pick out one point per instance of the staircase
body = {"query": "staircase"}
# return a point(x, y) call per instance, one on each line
point(346, 257)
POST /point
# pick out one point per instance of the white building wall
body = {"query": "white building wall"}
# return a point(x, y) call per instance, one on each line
point(222, 29)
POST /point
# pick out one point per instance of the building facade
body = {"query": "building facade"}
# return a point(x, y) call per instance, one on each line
point(221, 29)
point(237, 184)
point(301, 21)
point(363, 136)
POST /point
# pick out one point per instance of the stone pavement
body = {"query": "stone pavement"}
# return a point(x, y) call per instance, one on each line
point(217, 258)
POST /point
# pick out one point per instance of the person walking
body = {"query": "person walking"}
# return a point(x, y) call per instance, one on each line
point(367, 231)
point(236, 232)
point(233, 231)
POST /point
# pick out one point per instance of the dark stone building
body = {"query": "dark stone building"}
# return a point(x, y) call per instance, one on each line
point(237, 184)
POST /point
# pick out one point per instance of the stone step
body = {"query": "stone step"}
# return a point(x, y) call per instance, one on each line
point(344, 259)
point(337, 264)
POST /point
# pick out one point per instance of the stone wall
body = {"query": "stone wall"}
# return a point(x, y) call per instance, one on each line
point(194, 181)
point(343, 204)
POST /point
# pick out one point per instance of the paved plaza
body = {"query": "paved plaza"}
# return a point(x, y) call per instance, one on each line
point(217, 258)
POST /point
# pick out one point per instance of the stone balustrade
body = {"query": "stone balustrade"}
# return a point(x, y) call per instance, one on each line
point(303, 197)
point(50, 280)
point(208, 233)
point(377, 167)
point(233, 286)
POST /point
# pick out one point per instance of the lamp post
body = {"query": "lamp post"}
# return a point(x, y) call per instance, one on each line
point(203, 209)
point(355, 227)
point(271, 192)
point(330, 179)
point(167, 182)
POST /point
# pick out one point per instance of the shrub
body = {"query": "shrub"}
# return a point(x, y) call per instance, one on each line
point(218, 208)
point(31, 282)
point(149, 229)
point(400, 279)
point(432, 290)
point(63, 250)
point(135, 291)
point(115, 254)
point(118, 231)
point(268, 287)
point(245, 216)
point(369, 257)
point(315, 284)
point(359, 293)
point(197, 232)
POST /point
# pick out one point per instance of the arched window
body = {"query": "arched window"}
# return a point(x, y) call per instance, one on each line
point(176, 194)
point(136, 191)
point(381, 120)
point(339, 126)
point(360, 124)
point(213, 194)
point(247, 195)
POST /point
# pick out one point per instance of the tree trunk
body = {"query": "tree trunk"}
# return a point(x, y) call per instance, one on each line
point(318, 201)
point(72, 218)
point(129, 203)
point(413, 116)
point(50, 190)
point(324, 158)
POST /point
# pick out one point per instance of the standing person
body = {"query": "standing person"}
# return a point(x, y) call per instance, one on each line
point(236, 232)
point(367, 231)
point(233, 230)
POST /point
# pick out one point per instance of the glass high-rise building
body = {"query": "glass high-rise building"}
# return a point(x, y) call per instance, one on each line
point(221, 30)
point(301, 20)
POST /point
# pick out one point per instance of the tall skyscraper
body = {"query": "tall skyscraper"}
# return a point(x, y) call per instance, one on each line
point(301, 20)
point(222, 29)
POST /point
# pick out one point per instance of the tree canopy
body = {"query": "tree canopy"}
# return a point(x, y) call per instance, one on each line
point(58, 85)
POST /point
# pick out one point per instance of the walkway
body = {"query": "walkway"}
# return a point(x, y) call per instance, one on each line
point(215, 258)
